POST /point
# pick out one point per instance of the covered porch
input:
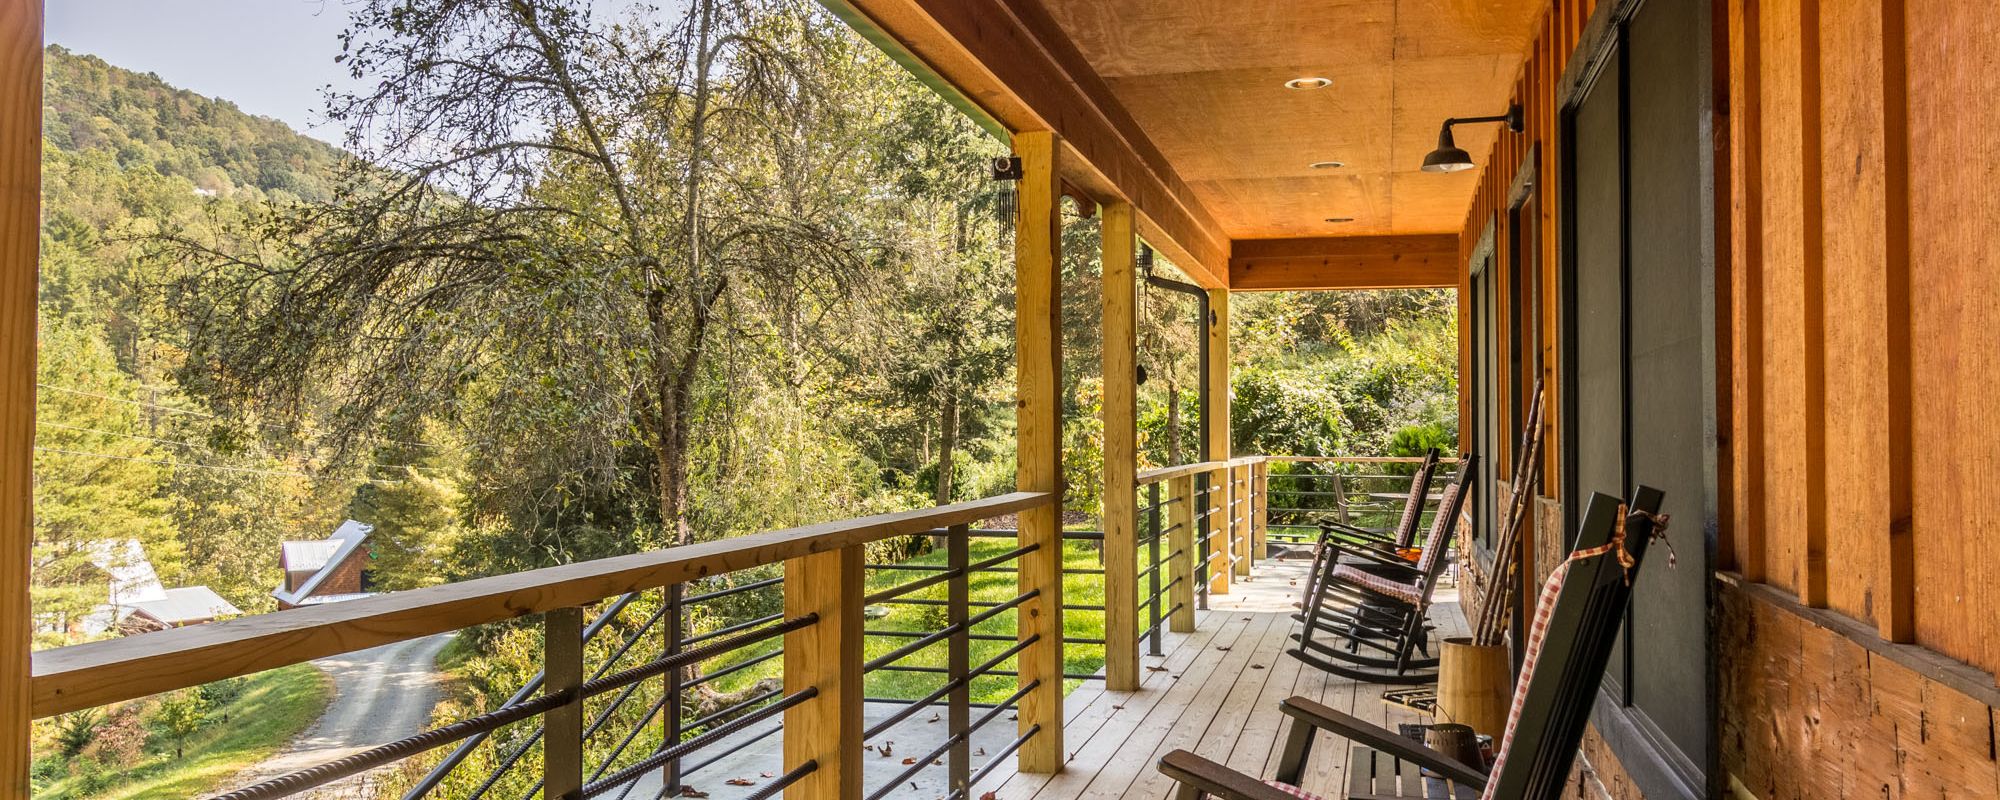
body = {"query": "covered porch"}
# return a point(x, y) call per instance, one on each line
point(1656, 222)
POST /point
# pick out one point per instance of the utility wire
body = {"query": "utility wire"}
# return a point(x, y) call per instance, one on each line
point(216, 467)
point(192, 445)
point(206, 415)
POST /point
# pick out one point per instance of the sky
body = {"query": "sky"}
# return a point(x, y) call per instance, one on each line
point(272, 58)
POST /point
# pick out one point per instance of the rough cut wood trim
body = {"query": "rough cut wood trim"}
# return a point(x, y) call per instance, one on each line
point(1008, 58)
point(20, 223)
point(94, 674)
point(1038, 444)
point(1344, 262)
point(1746, 529)
point(1121, 446)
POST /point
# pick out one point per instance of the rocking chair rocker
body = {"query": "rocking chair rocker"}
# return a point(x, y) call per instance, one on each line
point(1576, 623)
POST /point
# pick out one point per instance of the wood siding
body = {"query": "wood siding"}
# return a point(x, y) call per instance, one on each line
point(1864, 156)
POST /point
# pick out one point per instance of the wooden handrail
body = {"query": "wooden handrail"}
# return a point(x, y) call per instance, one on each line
point(1158, 474)
point(99, 673)
point(1361, 459)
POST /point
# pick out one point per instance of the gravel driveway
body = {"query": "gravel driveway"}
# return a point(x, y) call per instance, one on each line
point(380, 695)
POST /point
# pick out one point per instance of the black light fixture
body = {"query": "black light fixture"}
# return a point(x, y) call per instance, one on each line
point(1449, 157)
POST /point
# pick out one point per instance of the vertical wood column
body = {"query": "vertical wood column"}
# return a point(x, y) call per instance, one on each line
point(825, 657)
point(20, 221)
point(562, 737)
point(1215, 432)
point(1180, 543)
point(1121, 461)
point(1222, 544)
point(1038, 426)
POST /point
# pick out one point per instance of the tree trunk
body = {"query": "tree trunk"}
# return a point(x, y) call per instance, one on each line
point(1173, 423)
point(947, 445)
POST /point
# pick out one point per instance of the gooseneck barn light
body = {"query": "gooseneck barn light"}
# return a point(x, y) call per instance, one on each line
point(1449, 157)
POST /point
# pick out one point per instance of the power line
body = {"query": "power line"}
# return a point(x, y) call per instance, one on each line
point(44, 423)
point(216, 467)
point(206, 415)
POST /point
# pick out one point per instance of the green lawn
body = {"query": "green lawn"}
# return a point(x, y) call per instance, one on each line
point(273, 707)
point(990, 587)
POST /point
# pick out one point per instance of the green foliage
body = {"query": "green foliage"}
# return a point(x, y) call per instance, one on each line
point(179, 716)
point(76, 730)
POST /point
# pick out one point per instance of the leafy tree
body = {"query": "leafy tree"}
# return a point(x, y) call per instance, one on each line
point(179, 716)
point(98, 476)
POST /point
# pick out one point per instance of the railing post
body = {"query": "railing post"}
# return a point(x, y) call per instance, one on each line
point(958, 658)
point(1038, 447)
point(1153, 568)
point(1239, 516)
point(825, 657)
point(1222, 545)
point(673, 685)
point(562, 727)
point(1260, 507)
point(1181, 559)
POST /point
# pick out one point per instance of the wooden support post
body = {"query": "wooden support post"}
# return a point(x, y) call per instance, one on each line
point(1239, 516)
point(1222, 547)
point(825, 658)
point(1215, 433)
point(1121, 446)
point(1038, 447)
point(1180, 543)
point(562, 737)
point(20, 243)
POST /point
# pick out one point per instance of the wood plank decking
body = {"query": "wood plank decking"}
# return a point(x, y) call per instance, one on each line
point(1216, 692)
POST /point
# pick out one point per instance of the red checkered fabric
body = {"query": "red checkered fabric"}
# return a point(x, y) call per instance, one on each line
point(1293, 791)
point(1406, 592)
point(1435, 546)
point(1544, 608)
point(1406, 528)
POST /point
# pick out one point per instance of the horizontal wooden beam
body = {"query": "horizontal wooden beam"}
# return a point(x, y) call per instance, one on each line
point(1011, 61)
point(1344, 262)
point(89, 675)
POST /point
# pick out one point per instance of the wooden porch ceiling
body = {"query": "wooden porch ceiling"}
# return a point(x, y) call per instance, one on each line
point(1180, 107)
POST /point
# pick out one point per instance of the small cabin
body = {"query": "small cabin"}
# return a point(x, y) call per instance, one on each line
point(324, 571)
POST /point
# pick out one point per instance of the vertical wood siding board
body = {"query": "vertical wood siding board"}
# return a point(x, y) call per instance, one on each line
point(1856, 407)
point(1895, 604)
point(1783, 273)
point(1953, 52)
point(20, 219)
point(1813, 269)
point(1746, 280)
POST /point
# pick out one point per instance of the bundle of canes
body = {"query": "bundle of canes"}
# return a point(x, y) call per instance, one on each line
point(1495, 609)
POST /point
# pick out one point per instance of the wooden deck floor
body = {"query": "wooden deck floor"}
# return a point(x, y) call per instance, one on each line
point(1216, 693)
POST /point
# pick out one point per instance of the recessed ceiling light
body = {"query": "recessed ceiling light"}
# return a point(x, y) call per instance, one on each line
point(1339, 219)
point(1308, 83)
point(1328, 164)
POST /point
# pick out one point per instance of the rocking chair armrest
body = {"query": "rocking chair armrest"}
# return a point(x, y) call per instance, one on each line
point(1387, 741)
point(1215, 780)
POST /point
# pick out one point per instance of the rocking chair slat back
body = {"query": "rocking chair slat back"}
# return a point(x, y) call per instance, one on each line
point(1581, 629)
point(1413, 507)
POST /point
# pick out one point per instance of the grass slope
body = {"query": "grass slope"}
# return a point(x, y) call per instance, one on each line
point(273, 708)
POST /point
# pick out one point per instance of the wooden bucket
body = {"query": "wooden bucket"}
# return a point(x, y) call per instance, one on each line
point(1475, 685)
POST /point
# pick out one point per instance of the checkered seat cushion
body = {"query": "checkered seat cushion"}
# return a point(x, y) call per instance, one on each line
point(1406, 592)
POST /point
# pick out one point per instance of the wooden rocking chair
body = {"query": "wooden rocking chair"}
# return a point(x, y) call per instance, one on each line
point(1367, 598)
point(1576, 623)
point(1389, 540)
